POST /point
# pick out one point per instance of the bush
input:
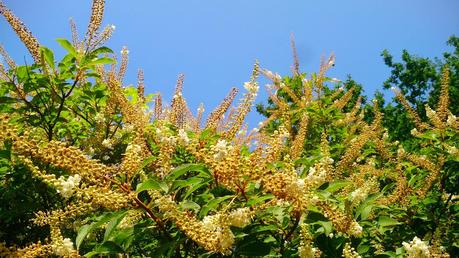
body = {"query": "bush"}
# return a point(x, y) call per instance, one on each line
point(110, 171)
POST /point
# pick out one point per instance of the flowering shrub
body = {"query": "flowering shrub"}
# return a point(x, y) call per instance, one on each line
point(130, 176)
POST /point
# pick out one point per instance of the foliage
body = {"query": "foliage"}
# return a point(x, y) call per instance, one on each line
point(419, 80)
point(114, 175)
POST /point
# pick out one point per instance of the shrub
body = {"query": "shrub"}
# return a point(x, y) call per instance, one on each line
point(115, 172)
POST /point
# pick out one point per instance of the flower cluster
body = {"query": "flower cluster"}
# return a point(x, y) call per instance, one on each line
point(251, 87)
point(221, 149)
point(66, 187)
point(240, 217)
point(183, 137)
point(417, 248)
point(64, 248)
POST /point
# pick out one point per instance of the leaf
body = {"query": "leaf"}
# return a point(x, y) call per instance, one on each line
point(112, 225)
point(48, 56)
point(101, 50)
point(196, 187)
point(67, 45)
point(86, 229)
point(102, 60)
point(264, 228)
point(213, 204)
point(146, 161)
point(6, 100)
point(259, 199)
point(108, 247)
point(82, 233)
point(365, 211)
point(189, 205)
point(254, 248)
point(335, 186)
point(326, 225)
point(124, 237)
point(150, 184)
point(178, 184)
point(177, 172)
point(385, 221)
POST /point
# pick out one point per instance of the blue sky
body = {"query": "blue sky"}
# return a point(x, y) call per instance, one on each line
point(215, 43)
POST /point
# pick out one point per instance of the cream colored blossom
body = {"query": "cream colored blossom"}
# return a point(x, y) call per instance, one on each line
point(221, 149)
point(251, 87)
point(183, 137)
point(306, 251)
point(451, 120)
point(417, 248)
point(240, 217)
point(316, 176)
point(67, 187)
point(355, 229)
point(107, 143)
point(64, 248)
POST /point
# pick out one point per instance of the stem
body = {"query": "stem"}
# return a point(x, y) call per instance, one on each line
point(64, 96)
point(149, 212)
point(295, 225)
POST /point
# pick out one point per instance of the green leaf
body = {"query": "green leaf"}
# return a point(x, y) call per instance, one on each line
point(177, 172)
point(259, 199)
point(152, 183)
point(86, 229)
point(7, 100)
point(254, 248)
point(108, 247)
point(385, 221)
point(146, 161)
point(112, 225)
point(264, 228)
point(82, 233)
point(101, 50)
point(67, 45)
point(49, 56)
point(326, 225)
point(102, 60)
point(335, 186)
point(196, 187)
point(192, 181)
point(189, 205)
point(211, 205)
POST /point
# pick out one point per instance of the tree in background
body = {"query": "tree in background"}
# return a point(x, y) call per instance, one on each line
point(419, 80)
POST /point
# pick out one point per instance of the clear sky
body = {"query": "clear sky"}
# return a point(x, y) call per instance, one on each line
point(215, 43)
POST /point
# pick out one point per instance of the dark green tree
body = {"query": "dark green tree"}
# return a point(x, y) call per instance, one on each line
point(418, 79)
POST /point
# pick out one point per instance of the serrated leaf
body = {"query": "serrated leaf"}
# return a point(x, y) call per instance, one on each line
point(101, 50)
point(178, 184)
point(48, 56)
point(152, 184)
point(112, 225)
point(335, 186)
point(259, 199)
point(82, 233)
point(254, 248)
point(102, 60)
point(67, 45)
point(189, 205)
point(108, 247)
point(385, 221)
point(179, 171)
point(211, 205)
point(196, 187)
